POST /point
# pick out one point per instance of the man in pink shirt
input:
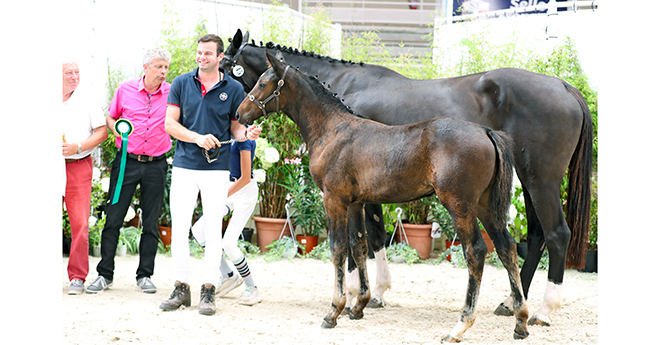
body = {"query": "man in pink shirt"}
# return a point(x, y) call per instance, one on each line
point(142, 102)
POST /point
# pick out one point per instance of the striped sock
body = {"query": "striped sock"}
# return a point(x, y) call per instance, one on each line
point(244, 271)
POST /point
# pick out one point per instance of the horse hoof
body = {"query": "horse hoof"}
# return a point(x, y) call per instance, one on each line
point(450, 339)
point(521, 335)
point(346, 311)
point(503, 310)
point(353, 316)
point(536, 320)
point(376, 302)
point(328, 324)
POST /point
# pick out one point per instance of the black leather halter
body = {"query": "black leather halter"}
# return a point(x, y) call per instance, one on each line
point(275, 94)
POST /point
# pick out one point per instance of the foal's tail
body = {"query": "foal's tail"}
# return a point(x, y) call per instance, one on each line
point(579, 187)
point(500, 192)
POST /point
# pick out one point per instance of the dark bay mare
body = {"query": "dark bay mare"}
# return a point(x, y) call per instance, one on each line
point(355, 161)
point(547, 118)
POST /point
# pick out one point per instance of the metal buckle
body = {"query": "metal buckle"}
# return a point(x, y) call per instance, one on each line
point(146, 158)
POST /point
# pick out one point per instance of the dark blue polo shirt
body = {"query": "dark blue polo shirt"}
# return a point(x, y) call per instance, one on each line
point(209, 113)
point(236, 148)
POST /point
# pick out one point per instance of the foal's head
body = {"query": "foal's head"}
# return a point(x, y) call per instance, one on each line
point(265, 98)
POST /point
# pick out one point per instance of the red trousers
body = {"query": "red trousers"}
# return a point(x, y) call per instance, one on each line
point(77, 199)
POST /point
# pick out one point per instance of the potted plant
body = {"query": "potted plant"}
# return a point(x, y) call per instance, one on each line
point(308, 212)
point(417, 225)
point(440, 215)
point(402, 253)
point(279, 138)
point(165, 218)
point(122, 245)
point(132, 236)
point(95, 230)
point(389, 219)
point(285, 247)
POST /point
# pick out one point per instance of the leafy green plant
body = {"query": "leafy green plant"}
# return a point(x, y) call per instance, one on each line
point(440, 215)
point(409, 254)
point(389, 217)
point(132, 236)
point(457, 257)
point(248, 249)
point(321, 252)
point(279, 248)
point(306, 201)
point(518, 220)
point(417, 211)
point(66, 225)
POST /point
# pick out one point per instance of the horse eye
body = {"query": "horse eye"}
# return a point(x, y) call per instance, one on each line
point(262, 85)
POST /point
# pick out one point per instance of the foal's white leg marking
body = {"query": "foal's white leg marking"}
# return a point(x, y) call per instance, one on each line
point(383, 277)
point(551, 303)
point(457, 332)
point(352, 287)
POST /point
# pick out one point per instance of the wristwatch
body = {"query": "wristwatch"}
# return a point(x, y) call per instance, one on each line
point(79, 148)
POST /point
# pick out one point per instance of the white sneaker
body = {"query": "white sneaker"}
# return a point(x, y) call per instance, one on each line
point(228, 284)
point(250, 296)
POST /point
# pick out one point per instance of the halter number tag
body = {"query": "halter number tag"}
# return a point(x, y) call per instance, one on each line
point(238, 71)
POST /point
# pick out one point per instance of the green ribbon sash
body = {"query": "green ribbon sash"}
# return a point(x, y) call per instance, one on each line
point(125, 128)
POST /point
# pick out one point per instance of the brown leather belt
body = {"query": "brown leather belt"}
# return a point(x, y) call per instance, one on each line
point(73, 160)
point(145, 158)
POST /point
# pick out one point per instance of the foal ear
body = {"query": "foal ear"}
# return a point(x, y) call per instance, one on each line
point(279, 56)
point(275, 63)
point(238, 39)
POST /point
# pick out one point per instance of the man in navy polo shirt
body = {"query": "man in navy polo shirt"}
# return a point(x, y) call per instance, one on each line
point(201, 110)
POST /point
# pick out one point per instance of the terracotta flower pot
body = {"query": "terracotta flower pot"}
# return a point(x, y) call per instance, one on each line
point(165, 235)
point(269, 230)
point(419, 237)
point(308, 241)
point(489, 242)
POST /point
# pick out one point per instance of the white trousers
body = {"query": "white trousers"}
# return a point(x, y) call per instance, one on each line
point(242, 203)
point(213, 186)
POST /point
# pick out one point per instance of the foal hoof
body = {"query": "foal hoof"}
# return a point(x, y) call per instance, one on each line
point(355, 316)
point(328, 324)
point(376, 302)
point(503, 310)
point(450, 339)
point(520, 335)
point(536, 320)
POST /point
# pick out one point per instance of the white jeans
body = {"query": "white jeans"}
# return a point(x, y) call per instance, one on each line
point(242, 203)
point(213, 186)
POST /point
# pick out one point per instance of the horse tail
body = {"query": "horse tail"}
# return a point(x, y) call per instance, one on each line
point(500, 194)
point(579, 188)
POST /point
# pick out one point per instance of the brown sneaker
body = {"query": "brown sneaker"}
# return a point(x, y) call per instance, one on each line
point(180, 296)
point(206, 300)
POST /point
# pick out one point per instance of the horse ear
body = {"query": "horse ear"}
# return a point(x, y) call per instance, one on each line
point(246, 37)
point(275, 63)
point(279, 56)
point(238, 39)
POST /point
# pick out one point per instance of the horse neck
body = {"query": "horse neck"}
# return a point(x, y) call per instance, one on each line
point(314, 114)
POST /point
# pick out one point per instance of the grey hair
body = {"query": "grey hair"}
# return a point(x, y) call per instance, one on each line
point(156, 53)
